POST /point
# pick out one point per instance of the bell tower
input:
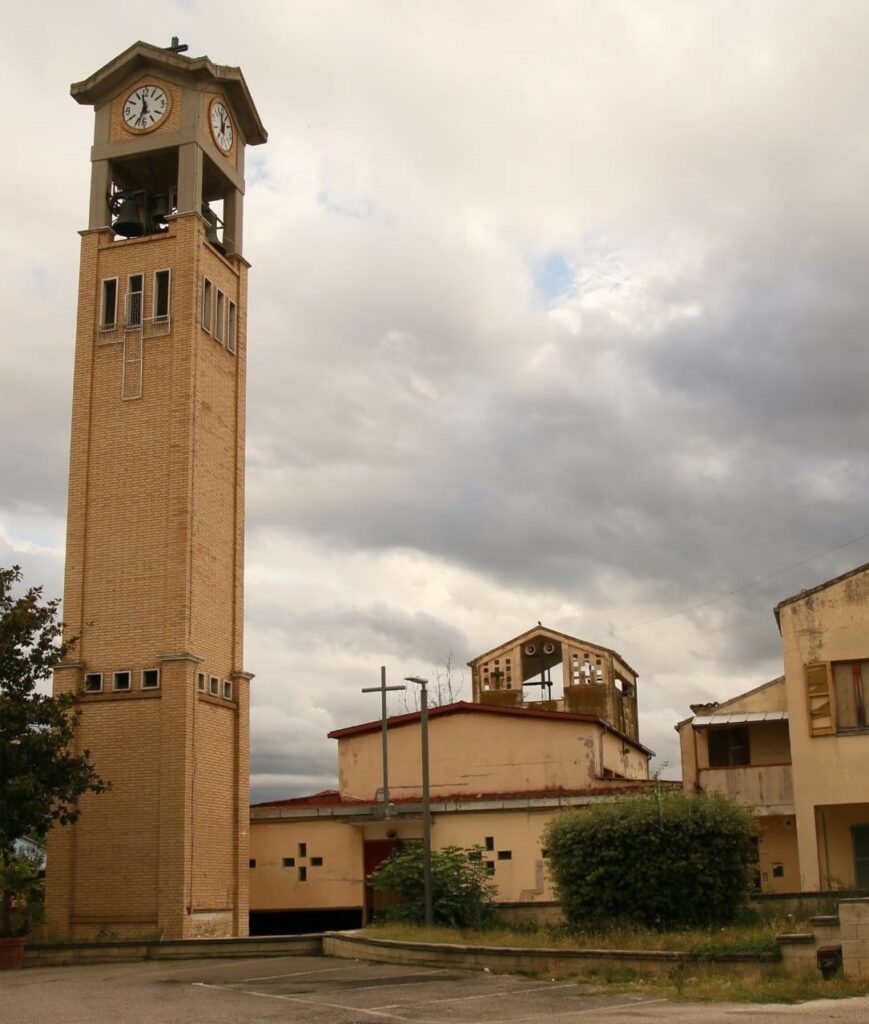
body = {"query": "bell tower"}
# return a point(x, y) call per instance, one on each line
point(155, 535)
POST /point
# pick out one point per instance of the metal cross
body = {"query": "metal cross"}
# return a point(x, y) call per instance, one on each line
point(382, 690)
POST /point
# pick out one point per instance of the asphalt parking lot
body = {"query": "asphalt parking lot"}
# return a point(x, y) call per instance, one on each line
point(319, 990)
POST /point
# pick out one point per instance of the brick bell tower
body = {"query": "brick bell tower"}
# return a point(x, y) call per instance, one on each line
point(155, 534)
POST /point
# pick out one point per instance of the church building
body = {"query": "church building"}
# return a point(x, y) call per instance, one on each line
point(556, 729)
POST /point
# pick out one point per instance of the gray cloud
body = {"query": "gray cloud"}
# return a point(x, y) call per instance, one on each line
point(446, 439)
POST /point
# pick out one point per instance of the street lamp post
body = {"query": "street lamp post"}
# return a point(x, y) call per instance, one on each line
point(426, 794)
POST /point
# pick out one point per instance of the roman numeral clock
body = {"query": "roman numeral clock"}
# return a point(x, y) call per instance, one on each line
point(155, 535)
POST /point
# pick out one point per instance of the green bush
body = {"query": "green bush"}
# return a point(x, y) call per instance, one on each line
point(462, 895)
point(661, 861)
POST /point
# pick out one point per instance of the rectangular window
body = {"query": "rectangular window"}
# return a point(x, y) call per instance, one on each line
point(303, 849)
point(150, 678)
point(93, 682)
point(289, 862)
point(303, 874)
point(200, 682)
point(316, 862)
point(848, 685)
point(206, 305)
point(819, 700)
point(728, 747)
point(109, 304)
point(161, 295)
point(490, 843)
point(227, 690)
point(220, 316)
point(133, 312)
point(490, 867)
point(232, 329)
point(214, 686)
point(505, 855)
point(252, 862)
point(121, 680)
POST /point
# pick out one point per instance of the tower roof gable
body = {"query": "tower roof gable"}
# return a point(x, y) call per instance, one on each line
point(141, 57)
point(541, 630)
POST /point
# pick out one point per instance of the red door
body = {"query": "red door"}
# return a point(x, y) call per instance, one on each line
point(375, 852)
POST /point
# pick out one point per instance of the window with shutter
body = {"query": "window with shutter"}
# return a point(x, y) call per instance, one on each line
point(818, 698)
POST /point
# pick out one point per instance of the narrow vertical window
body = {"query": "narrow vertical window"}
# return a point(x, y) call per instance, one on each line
point(214, 686)
point(232, 328)
point(135, 284)
point(206, 305)
point(201, 682)
point(161, 295)
point(227, 689)
point(109, 304)
point(219, 319)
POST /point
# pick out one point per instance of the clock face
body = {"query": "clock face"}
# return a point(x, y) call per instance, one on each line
point(145, 107)
point(221, 126)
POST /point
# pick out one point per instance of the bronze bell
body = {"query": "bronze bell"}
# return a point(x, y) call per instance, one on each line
point(129, 220)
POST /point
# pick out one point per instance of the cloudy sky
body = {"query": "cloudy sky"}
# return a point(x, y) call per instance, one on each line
point(558, 311)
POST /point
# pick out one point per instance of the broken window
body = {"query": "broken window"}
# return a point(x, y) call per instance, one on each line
point(728, 746)
point(848, 677)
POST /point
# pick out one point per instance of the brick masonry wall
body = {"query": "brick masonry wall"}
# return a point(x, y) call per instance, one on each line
point(155, 569)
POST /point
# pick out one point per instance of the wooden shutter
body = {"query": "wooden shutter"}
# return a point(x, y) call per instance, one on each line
point(821, 721)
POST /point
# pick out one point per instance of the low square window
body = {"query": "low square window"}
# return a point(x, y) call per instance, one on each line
point(252, 862)
point(121, 681)
point(200, 682)
point(214, 686)
point(303, 874)
point(289, 862)
point(227, 689)
point(505, 855)
point(150, 678)
point(93, 682)
point(778, 871)
point(475, 855)
point(316, 862)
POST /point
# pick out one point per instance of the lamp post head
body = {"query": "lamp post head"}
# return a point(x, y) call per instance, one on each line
point(416, 679)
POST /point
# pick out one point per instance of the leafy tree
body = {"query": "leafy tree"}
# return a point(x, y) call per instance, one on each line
point(462, 895)
point(661, 861)
point(41, 778)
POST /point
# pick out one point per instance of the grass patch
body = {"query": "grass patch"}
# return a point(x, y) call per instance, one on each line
point(710, 983)
point(754, 937)
point(697, 982)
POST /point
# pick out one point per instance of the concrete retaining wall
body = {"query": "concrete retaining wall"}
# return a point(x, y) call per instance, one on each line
point(43, 954)
point(538, 961)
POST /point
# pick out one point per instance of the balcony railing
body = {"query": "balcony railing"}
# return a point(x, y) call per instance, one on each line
point(769, 788)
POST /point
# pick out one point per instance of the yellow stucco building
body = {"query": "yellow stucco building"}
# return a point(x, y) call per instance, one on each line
point(499, 772)
point(796, 749)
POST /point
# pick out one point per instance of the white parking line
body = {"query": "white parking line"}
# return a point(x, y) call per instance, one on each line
point(484, 995)
point(382, 1011)
point(297, 974)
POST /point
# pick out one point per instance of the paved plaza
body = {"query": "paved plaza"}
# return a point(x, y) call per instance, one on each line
point(319, 990)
